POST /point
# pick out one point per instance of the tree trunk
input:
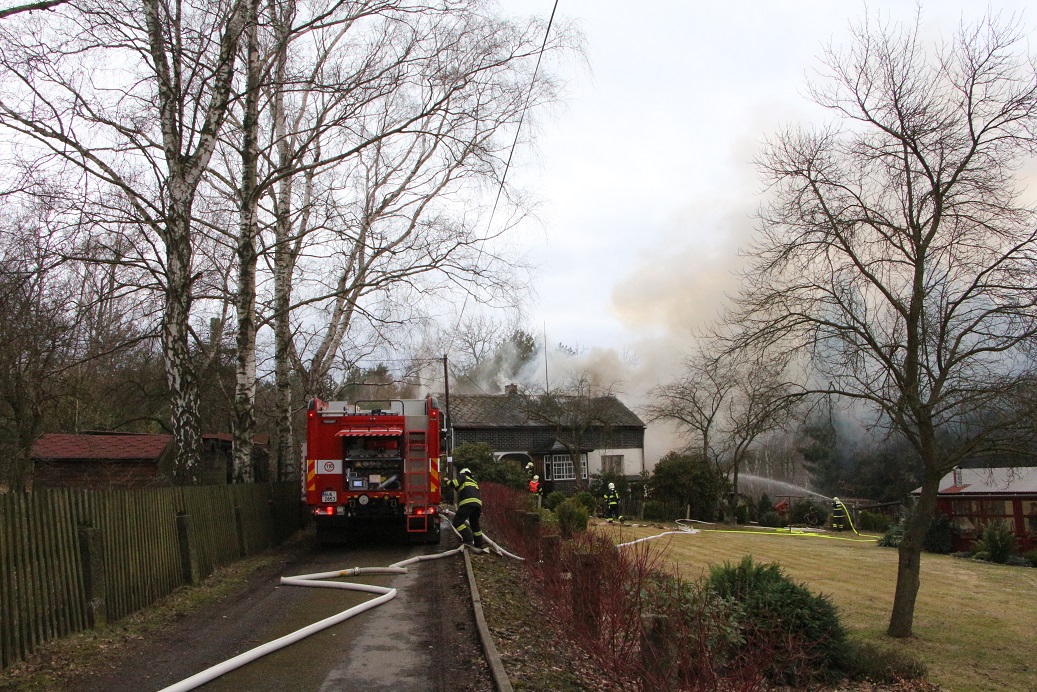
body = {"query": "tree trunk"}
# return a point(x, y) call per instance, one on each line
point(901, 620)
point(245, 301)
point(180, 372)
point(284, 259)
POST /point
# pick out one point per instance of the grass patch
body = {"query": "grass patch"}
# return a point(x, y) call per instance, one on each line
point(89, 652)
point(973, 621)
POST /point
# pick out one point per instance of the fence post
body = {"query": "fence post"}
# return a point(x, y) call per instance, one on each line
point(586, 592)
point(188, 550)
point(95, 580)
point(550, 548)
point(655, 644)
point(530, 522)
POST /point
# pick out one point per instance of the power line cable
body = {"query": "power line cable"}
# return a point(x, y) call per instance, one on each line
point(514, 143)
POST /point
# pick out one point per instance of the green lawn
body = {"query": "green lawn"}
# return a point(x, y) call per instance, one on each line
point(975, 623)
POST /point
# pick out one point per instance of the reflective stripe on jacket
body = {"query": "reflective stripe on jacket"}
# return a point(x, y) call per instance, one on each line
point(612, 497)
point(467, 492)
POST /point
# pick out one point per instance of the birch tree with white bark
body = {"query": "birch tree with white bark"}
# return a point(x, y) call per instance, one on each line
point(134, 96)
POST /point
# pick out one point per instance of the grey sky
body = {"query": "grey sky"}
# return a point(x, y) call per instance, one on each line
point(646, 171)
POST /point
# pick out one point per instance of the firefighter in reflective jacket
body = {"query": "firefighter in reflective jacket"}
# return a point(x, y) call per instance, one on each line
point(612, 504)
point(469, 507)
point(838, 514)
point(536, 489)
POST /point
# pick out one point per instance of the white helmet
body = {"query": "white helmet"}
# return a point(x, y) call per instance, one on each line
point(612, 486)
point(465, 472)
point(536, 478)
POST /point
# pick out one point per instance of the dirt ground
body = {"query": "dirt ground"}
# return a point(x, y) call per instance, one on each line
point(189, 632)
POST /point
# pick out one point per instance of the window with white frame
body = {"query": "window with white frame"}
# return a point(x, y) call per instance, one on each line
point(612, 464)
point(560, 467)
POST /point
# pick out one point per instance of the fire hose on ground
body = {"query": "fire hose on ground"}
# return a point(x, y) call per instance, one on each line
point(319, 579)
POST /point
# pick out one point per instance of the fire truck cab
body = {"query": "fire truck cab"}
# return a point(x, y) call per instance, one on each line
point(374, 466)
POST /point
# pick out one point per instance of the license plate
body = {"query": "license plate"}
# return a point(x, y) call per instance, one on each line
point(329, 496)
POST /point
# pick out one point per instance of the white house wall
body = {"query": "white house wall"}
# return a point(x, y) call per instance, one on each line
point(633, 460)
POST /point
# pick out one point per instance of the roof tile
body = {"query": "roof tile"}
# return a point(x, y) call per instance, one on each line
point(115, 446)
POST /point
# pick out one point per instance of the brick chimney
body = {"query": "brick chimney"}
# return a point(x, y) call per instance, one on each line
point(511, 389)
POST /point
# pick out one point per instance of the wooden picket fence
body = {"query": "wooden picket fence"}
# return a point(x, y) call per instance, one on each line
point(73, 559)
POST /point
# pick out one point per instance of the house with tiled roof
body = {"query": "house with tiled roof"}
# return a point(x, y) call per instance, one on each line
point(975, 498)
point(127, 460)
point(613, 442)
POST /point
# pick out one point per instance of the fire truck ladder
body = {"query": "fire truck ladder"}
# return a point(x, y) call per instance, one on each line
point(416, 480)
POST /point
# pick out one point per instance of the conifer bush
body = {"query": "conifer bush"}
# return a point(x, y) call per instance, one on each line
point(554, 499)
point(572, 517)
point(587, 500)
point(800, 629)
point(873, 521)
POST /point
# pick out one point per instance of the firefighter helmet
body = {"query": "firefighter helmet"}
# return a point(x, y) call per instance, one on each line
point(612, 486)
point(465, 472)
point(536, 478)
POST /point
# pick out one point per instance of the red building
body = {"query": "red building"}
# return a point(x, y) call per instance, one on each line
point(130, 460)
point(974, 498)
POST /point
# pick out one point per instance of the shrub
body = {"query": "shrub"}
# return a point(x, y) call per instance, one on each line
point(587, 500)
point(772, 519)
point(763, 505)
point(801, 631)
point(807, 511)
point(1018, 561)
point(478, 456)
point(572, 517)
point(874, 521)
point(1032, 557)
point(893, 536)
point(741, 514)
point(998, 542)
point(657, 511)
point(683, 479)
point(554, 499)
point(939, 536)
point(882, 665)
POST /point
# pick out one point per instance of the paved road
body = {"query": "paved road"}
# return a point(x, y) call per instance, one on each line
point(422, 640)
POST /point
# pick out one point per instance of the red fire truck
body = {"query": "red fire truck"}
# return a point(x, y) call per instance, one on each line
point(375, 465)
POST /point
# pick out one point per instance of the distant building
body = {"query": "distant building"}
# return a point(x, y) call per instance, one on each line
point(974, 498)
point(129, 460)
point(614, 445)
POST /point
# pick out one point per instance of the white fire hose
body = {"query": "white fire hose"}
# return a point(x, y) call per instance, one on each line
point(318, 579)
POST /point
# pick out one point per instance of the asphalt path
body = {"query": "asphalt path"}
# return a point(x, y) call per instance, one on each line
point(422, 640)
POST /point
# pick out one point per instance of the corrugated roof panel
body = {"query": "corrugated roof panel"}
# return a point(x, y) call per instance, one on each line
point(992, 481)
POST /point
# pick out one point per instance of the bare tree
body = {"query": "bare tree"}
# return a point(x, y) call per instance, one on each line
point(30, 7)
point(730, 399)
point(379, 152)
point(134, 96)
point(695, 401)
point(895, 250)
point(35, 343)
